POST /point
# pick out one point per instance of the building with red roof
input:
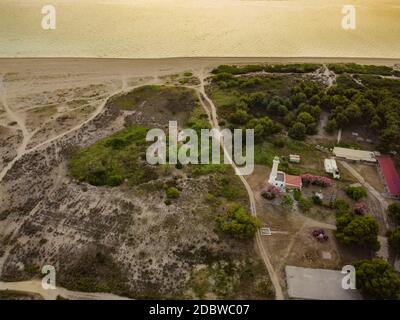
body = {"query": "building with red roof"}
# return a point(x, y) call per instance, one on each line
point(293, 182)
point(389, 173)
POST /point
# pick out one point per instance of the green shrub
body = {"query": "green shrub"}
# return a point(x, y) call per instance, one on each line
point(287, 201)
point(394, 212)
point(342, 207)
point(316, 200)
point(356, 193)
point(305, 204)
point(377, 279)
point(394, 239)
point(112, 160)
point(297, 195)
point(172, 193)
point(237, 223)
point(358, 230)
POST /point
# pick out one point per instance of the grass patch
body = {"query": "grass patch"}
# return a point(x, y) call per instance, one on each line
point(114, 159)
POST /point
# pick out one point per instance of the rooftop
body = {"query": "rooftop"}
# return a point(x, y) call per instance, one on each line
point(293, 181)
point(390, 174)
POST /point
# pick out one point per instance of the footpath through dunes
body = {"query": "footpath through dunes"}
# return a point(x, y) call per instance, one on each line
point(35, 287)
point(208, 104)
point(142, 239)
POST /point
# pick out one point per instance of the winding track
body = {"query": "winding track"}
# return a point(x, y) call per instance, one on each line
point(263, 251)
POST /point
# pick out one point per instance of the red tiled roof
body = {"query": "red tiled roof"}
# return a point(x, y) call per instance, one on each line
point(293, 181)
point(390, 174)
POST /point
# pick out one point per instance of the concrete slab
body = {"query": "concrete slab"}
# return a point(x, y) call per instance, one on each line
point(317, 284)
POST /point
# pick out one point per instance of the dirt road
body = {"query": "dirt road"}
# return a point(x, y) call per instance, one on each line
point(35, 286)
point(209, 105)
point(382, 201)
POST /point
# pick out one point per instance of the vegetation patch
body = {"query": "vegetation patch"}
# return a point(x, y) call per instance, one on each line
point(114, 159)
point(377, 279)
point(94, 270)
point(238, 223)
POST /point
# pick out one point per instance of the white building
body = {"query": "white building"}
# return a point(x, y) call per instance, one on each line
point(353, 154)
point(282, 180)
point(332, 168)
point(295, 158)
point(277, 178)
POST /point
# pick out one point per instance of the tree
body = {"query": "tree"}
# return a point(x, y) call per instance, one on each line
point(394, 239)
point(298, 131)
point(237, 223)
point(394, 212)
point(342, 207)
point(305, 204)
point(377, 279)
point(239, 117)
point(308, 120)
point(358, 230)
point(356, 193)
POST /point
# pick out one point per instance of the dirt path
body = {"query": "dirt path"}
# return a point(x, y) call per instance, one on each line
point(382, 201)
point(263, 251)
point(35, 286)
point(13, 116)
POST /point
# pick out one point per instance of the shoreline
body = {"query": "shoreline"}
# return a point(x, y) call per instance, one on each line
point(294, 59)
point(140, 67)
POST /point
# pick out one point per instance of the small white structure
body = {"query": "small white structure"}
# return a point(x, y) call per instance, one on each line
point(277, 178)
point(353, 154)
point(332, 168)
point(282, 180)
point(294, 158)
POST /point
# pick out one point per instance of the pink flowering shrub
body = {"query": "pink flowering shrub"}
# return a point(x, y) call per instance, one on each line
point(270, 192)
point(360, 208)
point(308, 179)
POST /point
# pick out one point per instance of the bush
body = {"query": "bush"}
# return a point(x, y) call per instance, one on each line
point(298, 131)
point(358, 230)
point(317, 200)
point(297, 195)
point(320, 181)
point(237, 223)
point(305, 204)
point(394, 239)
point(341, 207)
point(287, 201)
point(394, 212)
point(356, 193)
point(113, 160)
point(172, 193)
point(377, 279)
point(360, 208)
point(270, 192)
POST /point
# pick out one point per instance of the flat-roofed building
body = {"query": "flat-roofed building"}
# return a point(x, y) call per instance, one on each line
point(389, 173)
point(332, 168)
point(353, 154)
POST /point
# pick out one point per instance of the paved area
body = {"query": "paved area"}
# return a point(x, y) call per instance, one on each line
point(317, 284)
